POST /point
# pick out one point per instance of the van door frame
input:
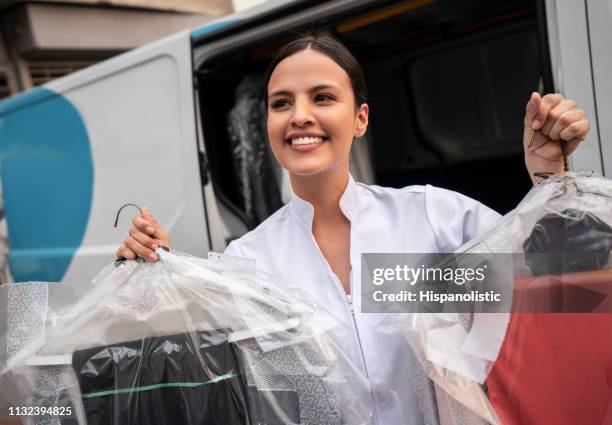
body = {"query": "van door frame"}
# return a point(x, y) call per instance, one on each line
point(570, 54)
point(599, 20)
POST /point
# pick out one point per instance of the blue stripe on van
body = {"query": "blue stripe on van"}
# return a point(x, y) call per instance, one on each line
point(47, 178)
point(206, 29)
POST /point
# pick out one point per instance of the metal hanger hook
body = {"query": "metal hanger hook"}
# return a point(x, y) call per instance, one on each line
point(121, 209)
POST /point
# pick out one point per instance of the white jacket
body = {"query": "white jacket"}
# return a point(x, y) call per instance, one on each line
point(419, 219)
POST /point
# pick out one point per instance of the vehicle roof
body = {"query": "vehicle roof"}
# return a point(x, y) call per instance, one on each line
point(217, 27)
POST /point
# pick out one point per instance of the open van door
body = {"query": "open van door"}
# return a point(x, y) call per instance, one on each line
point(447, 87)
point(75, 150)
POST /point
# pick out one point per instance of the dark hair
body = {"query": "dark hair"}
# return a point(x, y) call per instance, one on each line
point(332, 48)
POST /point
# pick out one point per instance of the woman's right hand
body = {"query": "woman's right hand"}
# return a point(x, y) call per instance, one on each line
point(145, 236)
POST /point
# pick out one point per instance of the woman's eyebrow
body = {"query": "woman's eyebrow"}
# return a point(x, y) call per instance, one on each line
point(311, 90)
point(323, 87)
point(280, 93)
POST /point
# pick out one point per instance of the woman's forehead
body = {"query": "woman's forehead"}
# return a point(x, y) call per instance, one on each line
point(307, 70)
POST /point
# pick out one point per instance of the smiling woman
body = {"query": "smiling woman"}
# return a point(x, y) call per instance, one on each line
point(314, 116)
point(316, 107)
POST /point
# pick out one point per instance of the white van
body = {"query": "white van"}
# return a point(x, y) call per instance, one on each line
point(177, 125)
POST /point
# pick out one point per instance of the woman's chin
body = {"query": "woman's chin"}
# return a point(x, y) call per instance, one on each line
point(307, 168)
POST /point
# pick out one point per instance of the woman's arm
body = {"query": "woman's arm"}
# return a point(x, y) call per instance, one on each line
point(552, 119)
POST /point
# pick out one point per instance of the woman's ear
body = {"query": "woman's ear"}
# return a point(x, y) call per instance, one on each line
point(361, 122)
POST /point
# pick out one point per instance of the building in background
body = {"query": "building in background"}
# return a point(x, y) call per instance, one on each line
point(44, 40)
point(246, 4)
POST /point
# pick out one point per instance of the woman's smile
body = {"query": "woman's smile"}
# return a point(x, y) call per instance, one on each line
point(306, 147)
point(305, 142)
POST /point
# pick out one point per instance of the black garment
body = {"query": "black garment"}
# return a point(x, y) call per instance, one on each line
point(177, 380)
point(567, 242)
point(162, 380)
point(128, 383)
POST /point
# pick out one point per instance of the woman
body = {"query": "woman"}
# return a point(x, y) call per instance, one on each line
point(316, 102)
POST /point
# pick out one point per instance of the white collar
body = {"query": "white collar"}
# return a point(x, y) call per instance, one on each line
point(349, 204)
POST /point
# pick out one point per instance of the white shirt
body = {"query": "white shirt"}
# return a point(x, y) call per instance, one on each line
point(420, 219)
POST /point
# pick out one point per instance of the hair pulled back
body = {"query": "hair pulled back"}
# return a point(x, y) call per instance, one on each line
point(332, 48)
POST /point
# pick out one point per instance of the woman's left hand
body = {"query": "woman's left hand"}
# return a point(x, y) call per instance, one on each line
point(554, 119)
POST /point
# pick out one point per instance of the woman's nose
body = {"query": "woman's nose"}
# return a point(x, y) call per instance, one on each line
point(302, 114)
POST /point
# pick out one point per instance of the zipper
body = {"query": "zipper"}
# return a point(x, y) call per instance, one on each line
point(348, 298)
point(351, 309)
point(352, 312)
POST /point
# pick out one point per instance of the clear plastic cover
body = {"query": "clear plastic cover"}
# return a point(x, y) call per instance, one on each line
point(259, 175)
point(183, 340)
point(548, 359)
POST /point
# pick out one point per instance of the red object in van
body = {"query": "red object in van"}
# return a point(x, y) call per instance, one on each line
point(555, 363)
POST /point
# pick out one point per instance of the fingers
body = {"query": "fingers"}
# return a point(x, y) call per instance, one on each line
point(154, 229)
point(564, 120)
point(125, 252)
point(136, 245)
point(577, 130)
point(143, 239)
point(560, 116)
point(145, 236)
point(141, 242)
point(140, 250)
point(546, 105)
point(532, 107)
point(548, 120)
point(145, 226)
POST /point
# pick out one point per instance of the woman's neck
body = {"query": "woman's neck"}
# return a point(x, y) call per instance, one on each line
point(323, 191)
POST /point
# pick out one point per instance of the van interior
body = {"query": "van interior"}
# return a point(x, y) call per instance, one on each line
point(448, 82)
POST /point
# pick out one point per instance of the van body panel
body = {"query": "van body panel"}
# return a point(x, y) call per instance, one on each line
point(47, 176)
point(138, 113)
point(599, 14)
point(571, 67)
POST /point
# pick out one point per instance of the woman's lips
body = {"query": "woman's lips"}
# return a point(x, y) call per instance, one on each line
point(305, 148)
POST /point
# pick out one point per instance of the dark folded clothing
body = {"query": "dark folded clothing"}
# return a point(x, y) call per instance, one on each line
point(179, 379)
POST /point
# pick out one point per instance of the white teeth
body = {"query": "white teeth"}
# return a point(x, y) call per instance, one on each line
point(306, 140)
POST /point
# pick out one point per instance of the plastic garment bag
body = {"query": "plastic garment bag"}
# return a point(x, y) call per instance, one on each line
point(184, 340)
point(259, 174)
point(561, 318)
point(547, 358)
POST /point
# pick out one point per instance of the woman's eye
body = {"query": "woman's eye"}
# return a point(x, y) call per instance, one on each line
point(281, 103)
point(323, 98)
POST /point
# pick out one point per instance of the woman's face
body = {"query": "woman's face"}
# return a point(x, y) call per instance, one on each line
point(312, 118)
